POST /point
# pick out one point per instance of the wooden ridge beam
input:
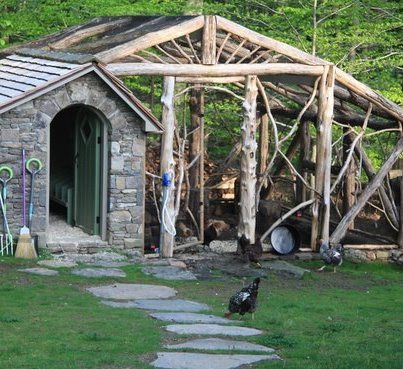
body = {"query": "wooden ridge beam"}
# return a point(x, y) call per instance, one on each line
point(151, 39)
point(220, 70)
point(82, 34)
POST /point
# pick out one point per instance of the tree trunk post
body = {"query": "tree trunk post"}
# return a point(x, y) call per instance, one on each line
point(263, 144)
point(400, 237)
point(201, 169)
point(369, 190)
point(321, 217)
point(349, 179)
point(194, 148)
point(209, 40)
point(247, 216)
point(304, 153)
point(168, 164)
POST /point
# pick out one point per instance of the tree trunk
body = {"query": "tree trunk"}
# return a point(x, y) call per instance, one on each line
point(321, 217)
point(263, 144)
point(194, 149)
point(400, 238)
point(168, 164)
point(305, 147)
point(370, 189)
point(349, 180)
point(247, 216)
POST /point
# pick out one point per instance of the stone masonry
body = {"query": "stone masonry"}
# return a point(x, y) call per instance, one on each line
point(28, 126)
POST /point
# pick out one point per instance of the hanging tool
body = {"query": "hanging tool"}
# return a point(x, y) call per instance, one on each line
point(6, 239)
point(33, 166)
point(25, 247)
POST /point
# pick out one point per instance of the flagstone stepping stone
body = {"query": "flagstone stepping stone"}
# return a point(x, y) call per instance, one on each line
point(40, 271)
point(99, 272)
point(187, 360)
point(160, 305)
point(127, 291)
point(210, 344)
point(190, 318)
point(169, 272)
point(281, 266)
point(212, 330)
point(57, 263)
point(112, 264)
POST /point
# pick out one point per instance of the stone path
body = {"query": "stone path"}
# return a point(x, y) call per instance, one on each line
point(212, 330)
point(169, 273)
point(99, 272)
point(220, 344)
point(162, 305)
point(40, 271)
point(185, 312)
point(188, 360)
point(183, 317)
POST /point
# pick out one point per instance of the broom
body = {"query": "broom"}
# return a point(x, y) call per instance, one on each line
point(25, 246)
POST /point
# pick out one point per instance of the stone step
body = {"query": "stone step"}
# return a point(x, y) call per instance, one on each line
point(160, 305)
point(169, 273)
point(99, 272)
point(191, 318)
point(76, 246)
point(55, 263)
point(40, 271)
point(128, 291)
point(212, 330)
point(187, 360)
point(213, 344)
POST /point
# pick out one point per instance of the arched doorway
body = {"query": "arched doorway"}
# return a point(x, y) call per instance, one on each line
point(78, 168)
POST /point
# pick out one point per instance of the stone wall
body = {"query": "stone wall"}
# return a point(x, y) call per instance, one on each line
point(28, 126)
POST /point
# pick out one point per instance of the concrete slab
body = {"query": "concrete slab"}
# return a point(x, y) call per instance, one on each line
point(160, 305)
point(40, 271)
point(99, 272)
point(57, 263)
point(169, 272)
point(187, 360)
point(126, 291)
point(191, 318)
point(210, 344)
point(212, 330)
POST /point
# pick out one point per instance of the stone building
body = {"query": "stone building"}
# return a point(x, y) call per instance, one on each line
point(89, 132)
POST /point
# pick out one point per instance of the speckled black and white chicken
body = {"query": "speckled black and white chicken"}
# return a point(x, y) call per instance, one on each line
point(331, 256)
point(244, 301)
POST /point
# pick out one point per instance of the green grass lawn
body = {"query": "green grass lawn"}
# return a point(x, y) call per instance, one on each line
point(351, 319)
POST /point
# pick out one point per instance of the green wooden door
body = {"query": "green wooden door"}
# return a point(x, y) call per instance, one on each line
point(88, 172)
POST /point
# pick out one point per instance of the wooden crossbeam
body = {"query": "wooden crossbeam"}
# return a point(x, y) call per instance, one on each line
point(220, 70)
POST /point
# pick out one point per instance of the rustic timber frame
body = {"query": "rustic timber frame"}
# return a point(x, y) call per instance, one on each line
point(205, 50)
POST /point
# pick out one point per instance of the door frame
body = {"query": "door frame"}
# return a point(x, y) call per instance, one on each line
point(104, 164)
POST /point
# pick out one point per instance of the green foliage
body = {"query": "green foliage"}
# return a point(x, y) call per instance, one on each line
point(363, 37)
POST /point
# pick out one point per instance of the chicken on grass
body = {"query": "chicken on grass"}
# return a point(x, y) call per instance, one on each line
point(244, 301)
point(331, 256)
